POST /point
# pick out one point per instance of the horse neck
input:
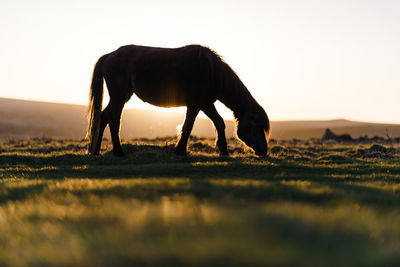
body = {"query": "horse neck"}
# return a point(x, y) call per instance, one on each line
point(236, 97)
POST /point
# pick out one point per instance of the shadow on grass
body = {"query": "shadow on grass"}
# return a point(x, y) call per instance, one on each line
point(152, 164)
point(148, 161)
point(20, 193)
point(217, 191)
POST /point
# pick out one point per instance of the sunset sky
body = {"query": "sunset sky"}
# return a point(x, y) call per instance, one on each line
point(300, 59)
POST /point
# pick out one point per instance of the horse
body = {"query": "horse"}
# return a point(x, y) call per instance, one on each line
point(193, 76)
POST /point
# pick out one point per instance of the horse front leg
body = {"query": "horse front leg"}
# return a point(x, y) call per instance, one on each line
point(219, 124)
point(191, 114)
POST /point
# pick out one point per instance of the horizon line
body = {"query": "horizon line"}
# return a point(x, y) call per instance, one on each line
point(174, 111)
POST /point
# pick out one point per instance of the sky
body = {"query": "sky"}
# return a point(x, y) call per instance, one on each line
point(300, 59)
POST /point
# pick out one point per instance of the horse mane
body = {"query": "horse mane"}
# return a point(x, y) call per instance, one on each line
point(232, 92)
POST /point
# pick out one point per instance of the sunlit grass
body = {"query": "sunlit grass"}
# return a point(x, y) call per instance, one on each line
point(301, 206)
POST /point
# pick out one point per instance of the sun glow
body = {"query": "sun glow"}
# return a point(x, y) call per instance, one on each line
point(137, 103)
point(297, 58)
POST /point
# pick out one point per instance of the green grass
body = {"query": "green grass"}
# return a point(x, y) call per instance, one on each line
point(306, 204)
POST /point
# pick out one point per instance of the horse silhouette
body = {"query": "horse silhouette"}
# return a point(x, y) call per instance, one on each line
point(193, 76)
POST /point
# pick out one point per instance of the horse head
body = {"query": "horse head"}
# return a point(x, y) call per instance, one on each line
point(253, 129)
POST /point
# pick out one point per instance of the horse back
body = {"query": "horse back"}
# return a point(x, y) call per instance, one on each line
point(164, 76)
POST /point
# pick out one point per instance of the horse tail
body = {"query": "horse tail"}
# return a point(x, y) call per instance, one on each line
point(95, 105)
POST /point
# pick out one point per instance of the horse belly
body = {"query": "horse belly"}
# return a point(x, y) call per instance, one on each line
point(162, 96)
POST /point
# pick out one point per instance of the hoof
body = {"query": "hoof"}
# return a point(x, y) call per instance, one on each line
point(180, 152)
point(224, 153)
point(119, 153)
point(93, 153)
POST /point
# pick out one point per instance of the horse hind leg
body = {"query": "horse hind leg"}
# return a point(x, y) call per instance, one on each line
point(105, 118)
point(116, 107)
point(219, 124)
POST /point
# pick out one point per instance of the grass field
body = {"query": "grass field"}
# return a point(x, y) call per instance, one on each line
point(307, 203)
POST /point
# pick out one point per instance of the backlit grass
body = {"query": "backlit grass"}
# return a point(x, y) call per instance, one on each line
point(308, 203)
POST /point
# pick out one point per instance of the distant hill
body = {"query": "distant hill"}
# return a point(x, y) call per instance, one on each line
point(21, 118)
point(308, 129)
point(24, 119)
